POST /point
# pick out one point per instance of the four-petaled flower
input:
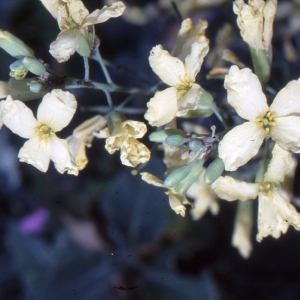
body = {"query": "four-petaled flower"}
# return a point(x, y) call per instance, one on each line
point(184, 94)
point(280, 121)
point(54, 113)
point(275, 212)
point(73, 20)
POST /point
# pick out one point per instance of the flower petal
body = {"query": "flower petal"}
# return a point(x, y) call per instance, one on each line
point(133, 152)
point(286, 133)
point(232, 189)
point(240, 144)
point(18, 117)
point(194, 60)
point(169, 69)
point(57, 109)
point(134, 129)
point(287, 100)
point(190, 100)
point(245, 94)
point(151, 179)
point(269, 222)
point(76, 10)
point(102, 15)
point(176, 202)
point(162, 108)
point(280, 165)
point(59, 153)
point(51, 6)
point(66, 44)
point(35, 152)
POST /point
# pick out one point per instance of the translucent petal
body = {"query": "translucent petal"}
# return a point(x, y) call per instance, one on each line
point(36, 152)
point(59, 153)
point(269, 222)
point(51, 6)
point(57, 109)
point(66, 44)
point(102, 15)
point(287, 100)
point(194, 60)
point(231, 189)
point(175, 201)
point(151, 179)
point(240, 144)
point(245, 94)
point(286, 133)
point(169, 69)
point(18, 117)
point(162, 108)
point(190, 100)
point(280, 165)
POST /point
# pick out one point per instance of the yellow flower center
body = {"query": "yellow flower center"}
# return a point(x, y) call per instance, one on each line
point(265, 188)
point(70, 23)
point(44, 132)
point(266, 122)
point(184, 86)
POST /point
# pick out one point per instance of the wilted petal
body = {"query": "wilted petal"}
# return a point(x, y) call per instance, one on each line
point(169, 69)
point(51, 6)
point(190, 100)
point(134, 129)
point(245, 94)
point(76, 10)
point(280, 165)
point(18, 117)
point(287, 100)
point(286, 132)
point(240, 144)
point(59, 153)
point(269, 221)
point(151, 179)
point(269, 16)
point(114, 143)
point(57, 109)
point(194, 60)
point(133, 152)
point(102, 15)
point(231, 189)
point(36, 152)
point(176, 201)
point(162, 107)
point(66, 44)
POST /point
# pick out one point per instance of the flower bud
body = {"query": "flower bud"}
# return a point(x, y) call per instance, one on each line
point(214, 171)
point(14, 46)
point(34, 65)
point(177, 175)
point(175, 140)
point(18, 70)
point(161, 135)
point(183, 186)
point(195, 144)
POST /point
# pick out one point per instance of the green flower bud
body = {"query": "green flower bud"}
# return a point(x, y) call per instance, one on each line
point(161, 135)
point(214, 171)
point(35, 87)
point(183, 186)
point(18, 70)
point(34, 65)
point(177, 175)
point(14, 46)
point(261, 64)
point(175, 140)
point(195, 145)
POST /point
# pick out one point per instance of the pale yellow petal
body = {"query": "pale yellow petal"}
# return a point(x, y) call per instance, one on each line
point(175, 201)
point(231, 189)
point(51, 6)
point(245, 93)
point(190, 100)
point(240, 144)
point(151, 179)
point(134, 129)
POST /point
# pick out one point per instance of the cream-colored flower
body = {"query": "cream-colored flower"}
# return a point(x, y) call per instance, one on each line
point(123, 136)
point(73, 20)
point(204, 198)
point(280, 121)
point(176, 200)
point(183, 94)
point(82, 137)
point(54, 113)
point(255, 21)
point(275, 213)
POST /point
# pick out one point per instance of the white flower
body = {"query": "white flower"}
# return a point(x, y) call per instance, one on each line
point(73, 20)
point(280, 121)
point(54, 113)
point(184, 93)
point(275, 213)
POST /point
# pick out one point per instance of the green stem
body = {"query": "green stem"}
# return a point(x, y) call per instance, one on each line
point(86, 68)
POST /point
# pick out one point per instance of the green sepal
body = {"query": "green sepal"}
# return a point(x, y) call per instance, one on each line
point(261, 170)
point(34, 65)
point(261, 63)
